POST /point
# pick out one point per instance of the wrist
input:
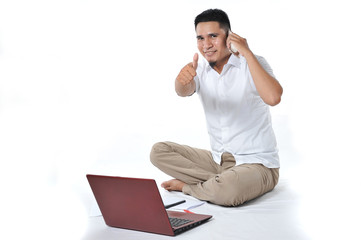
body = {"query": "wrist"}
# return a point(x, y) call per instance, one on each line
point(248, 54)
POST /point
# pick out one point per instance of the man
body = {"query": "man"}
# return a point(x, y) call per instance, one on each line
point(235, 89)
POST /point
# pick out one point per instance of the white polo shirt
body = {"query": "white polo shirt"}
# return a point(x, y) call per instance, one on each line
point(238, 120)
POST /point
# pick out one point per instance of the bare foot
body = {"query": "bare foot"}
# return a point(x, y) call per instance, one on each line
point(173, 185)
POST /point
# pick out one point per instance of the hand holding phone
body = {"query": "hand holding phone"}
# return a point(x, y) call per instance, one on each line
point(231, 46)
point(237, 44)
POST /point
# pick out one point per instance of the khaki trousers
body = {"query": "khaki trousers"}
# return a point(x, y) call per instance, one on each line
point(223, 184)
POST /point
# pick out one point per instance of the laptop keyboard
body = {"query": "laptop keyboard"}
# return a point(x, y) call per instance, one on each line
point(176, 222)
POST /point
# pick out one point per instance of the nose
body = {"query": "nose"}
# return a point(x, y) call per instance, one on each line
point(207, 44)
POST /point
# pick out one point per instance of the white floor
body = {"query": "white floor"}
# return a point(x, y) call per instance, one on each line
point(290, 211)
point(272, 216)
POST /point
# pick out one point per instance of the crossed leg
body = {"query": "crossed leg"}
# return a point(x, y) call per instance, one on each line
point(198, 175)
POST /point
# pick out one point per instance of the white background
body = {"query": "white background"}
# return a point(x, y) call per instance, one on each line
point(88, 87)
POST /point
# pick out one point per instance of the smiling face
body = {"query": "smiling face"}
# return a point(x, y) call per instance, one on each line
point(211, 41)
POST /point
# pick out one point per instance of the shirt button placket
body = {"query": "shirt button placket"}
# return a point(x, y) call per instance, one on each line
point(222, 99)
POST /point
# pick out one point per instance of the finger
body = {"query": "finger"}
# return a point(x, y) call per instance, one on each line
point(195, 61)
point(234, 37)
point(190, 74)
point(189, 68)
point(185, 77)
point(232, 34)
point(182, 80)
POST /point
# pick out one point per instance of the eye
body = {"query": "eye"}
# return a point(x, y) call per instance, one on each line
point(199, 38)
point(213, 35)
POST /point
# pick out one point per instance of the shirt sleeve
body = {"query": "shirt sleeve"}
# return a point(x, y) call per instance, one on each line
point(196, 80)
point(265, 65)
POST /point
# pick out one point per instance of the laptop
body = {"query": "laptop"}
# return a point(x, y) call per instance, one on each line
point(136, 204)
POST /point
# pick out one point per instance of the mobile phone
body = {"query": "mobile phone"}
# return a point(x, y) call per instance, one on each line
point(232, 49)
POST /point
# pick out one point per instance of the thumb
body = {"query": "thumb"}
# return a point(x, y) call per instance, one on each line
point(195, 61)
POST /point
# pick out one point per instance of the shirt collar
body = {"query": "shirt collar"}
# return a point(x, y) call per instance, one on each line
point(233, 61)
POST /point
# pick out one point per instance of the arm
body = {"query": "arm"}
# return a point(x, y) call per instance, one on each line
point(267, 86)
point(184, 83)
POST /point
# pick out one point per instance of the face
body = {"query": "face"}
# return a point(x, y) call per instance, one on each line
point(211, 41)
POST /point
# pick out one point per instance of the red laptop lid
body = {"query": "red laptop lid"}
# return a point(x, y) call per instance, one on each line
point(130, 203)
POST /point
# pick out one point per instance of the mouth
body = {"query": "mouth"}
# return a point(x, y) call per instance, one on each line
point(209, 53)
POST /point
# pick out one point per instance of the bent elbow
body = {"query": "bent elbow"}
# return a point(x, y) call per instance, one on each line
point(274, 101)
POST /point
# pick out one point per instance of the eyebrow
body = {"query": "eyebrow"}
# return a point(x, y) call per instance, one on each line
point(209, 34)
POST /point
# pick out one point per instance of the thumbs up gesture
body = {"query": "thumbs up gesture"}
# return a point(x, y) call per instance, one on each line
point(188, 72)
point(195, 61)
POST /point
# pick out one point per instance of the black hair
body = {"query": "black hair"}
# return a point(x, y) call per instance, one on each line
point(214, 15)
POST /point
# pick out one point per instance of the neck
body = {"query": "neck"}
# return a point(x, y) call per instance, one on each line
point(218, 66)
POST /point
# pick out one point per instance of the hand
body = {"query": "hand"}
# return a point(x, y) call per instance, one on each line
point(238, 43)
point(188, 72)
